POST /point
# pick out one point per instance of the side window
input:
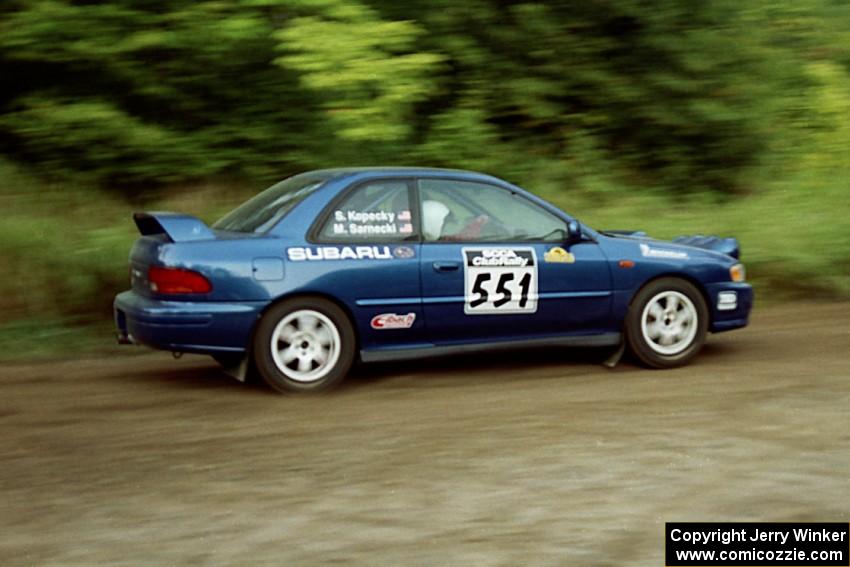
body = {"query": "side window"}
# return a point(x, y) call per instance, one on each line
point(378, 211)
point(461, 211)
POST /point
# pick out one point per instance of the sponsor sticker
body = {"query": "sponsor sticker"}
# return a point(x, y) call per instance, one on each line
point(404, 252)
point(386, 321)
point(362, 217)
point(367, 223)
point(499, 281)
point(648, 252)
point(319, 253)
point(558, 255)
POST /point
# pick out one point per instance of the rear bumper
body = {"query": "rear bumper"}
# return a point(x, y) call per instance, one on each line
point(730, 304)
point(185, 326)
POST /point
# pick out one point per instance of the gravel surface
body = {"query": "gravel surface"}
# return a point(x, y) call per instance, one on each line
point(522, 458)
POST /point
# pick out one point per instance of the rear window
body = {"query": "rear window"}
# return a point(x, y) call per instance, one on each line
point(262, 212)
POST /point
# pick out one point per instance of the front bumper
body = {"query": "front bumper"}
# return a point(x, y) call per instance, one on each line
point(185, 326)
point(730, 304)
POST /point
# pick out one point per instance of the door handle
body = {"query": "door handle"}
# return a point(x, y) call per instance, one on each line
point(446, 266)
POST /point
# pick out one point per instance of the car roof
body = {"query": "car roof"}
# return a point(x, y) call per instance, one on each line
point(406, 171)
point(390, 169)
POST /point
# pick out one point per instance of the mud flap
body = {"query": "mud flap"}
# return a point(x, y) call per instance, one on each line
point(238, 371)
point(615, 357)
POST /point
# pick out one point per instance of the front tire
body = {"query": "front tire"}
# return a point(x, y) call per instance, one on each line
point(667, 323)
point(304, 344)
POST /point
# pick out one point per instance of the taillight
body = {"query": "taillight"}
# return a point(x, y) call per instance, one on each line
point(177, 280)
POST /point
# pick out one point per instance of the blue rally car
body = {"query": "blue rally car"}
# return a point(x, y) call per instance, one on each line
point(330, 266)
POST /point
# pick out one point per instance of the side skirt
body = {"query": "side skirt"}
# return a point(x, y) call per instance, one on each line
point(380, 355)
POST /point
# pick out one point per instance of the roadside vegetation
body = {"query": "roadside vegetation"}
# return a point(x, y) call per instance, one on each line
point(718, 117)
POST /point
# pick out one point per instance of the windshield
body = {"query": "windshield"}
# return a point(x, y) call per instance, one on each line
point(262, 212)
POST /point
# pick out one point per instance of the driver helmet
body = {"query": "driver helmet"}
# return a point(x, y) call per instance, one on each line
point(434, 214)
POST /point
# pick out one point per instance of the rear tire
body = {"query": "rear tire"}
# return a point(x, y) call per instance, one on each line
point(667, 323)
point(304, 344)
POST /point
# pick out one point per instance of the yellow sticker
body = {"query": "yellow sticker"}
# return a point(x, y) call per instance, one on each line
point(558, 255)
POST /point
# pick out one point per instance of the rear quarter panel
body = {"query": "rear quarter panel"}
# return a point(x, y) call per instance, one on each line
point(233, 266)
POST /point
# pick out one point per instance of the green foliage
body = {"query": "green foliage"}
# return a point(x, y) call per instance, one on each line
point(683, 96)
point(366, 71)
point(65, 250)
point(794, 238)
point(673, 116)
point(42, 339)
point(179, 90)
point(101, 140)
point(64, 247)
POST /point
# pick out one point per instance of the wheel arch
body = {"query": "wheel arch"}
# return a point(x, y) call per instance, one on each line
point(299, 294)
point(682, 276)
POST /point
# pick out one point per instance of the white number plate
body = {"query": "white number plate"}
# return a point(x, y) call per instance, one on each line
point(499, 281)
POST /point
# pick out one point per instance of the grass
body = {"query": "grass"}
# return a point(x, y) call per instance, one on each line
point(64, 248)
point(48, 339)
point(795, 237)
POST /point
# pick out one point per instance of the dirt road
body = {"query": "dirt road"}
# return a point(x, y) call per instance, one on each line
point(522, 459)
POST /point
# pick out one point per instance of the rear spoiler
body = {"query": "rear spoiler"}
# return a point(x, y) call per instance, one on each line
point(176, 226)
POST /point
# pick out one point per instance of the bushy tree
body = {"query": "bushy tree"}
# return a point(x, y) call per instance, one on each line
point(673, 94)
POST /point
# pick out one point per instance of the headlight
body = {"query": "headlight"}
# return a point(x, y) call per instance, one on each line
point(737, 273)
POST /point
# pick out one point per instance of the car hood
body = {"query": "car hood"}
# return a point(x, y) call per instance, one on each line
point(727, 246)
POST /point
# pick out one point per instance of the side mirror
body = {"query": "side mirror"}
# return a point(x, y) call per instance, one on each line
point(573, 231)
